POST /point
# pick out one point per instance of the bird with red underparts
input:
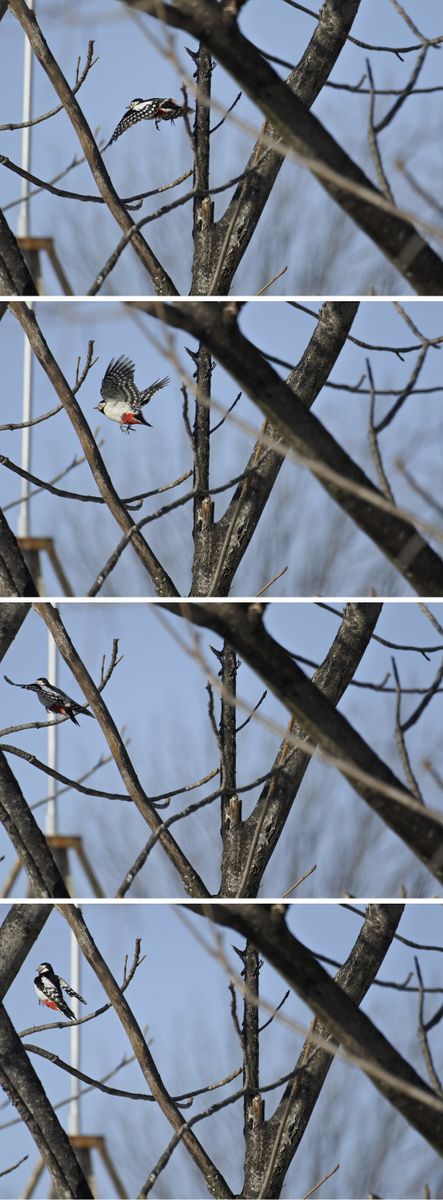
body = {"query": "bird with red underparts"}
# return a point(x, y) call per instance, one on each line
point(49, 988)
point(53, 699)
point(156, 109)
point(122, 400)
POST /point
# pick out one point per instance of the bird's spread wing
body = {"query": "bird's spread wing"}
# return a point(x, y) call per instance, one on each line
point(157, 108)
point(146, 111)
point(147, 394)
point(120, 372)
point(11, 681)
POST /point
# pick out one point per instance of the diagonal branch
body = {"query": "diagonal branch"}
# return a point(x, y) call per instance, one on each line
point(190, 879)
point(20, 928)
point(263, 828)
point(27, 838)
point(313, 1064)
point(22, 1085)
point(15, 576)
point(303, 434)
point(306, 82)
point(307, 139)
point(250, 498)
point(368, 775)
point(15, 277)
point(390, 1073)
point(162, 283)
point(11, 620)
point(162, 583)
point(214, 1181)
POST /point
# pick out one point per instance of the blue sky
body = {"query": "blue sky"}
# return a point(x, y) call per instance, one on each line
point(129, 62)
point(180, 993)
point(301, 528)
point(158, 695)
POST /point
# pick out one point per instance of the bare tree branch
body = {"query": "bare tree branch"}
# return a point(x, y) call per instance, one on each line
point(302, 433)
point(161, 280)
point(307, 138)
point(29, 324)
point(15, 277)
point(242, 625)
point(190, 879)
point(214, 1181)
point(390, 1073)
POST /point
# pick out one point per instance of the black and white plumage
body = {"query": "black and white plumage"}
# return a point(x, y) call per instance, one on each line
point(156, 109)
point(122, 399)
point(53, 699)
point(49, 988)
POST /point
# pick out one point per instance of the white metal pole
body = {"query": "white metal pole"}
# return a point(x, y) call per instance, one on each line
point(23, 218)
point(24, 516)
point(51, 812)
point(74, 1108)
point(23, 231)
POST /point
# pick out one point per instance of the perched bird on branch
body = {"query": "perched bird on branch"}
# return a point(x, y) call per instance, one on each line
point(49, 988)
point(53, 699)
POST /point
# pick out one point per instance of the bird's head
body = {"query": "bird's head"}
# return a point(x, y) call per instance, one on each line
point(42, 682)
point(101, 406)
point(135, 103)
point(43, 968)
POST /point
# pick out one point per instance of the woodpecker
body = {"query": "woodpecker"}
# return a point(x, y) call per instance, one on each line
point(49, 988)
point(156, 109)
point(122, 400)
point(53, 699)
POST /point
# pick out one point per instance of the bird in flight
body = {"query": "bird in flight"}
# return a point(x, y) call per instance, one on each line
point(49, 988)
point(122, 400)
point(53, 699)
point(156, 109)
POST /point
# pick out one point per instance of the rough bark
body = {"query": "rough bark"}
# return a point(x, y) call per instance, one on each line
point(244, 511)
point(27, 838)
point(162, 583)
point(307, 138)
point(215, 1183)
point(306, 81)
point(203, 206)
point(203, 515)
point(230, 803)
point(366, 773)
point(300, 1096)
point(15, 577)
point(23, 1088)
point(263, 828)
point(11, 620)
point(20, 929)
point(162, 283)
point(191, 881)
point(396, 537)
point(391, 1074)
point(15, 277)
